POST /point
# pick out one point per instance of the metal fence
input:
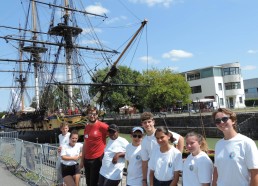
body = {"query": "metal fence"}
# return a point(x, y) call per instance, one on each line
point(32, 162)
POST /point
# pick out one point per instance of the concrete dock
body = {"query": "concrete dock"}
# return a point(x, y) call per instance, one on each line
point(7, 178)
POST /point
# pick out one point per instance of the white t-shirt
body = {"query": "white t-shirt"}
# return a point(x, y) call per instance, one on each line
point(197, 170)
point(165, 164)
point(64, 139)
point(233, 158)
point(108, 169)
point(175, 136)
point(134, 169)
point(68, 150)
point(149, 143)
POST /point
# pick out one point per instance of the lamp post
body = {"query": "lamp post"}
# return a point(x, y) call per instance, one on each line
point(218, 100)
point(198, 103)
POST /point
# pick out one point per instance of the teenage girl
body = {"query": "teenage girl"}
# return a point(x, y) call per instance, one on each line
point(70, 155)
point(198, 167)
point(165, 161)
point(236, 155)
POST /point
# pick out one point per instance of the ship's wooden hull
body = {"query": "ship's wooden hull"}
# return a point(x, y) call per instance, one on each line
point(47, 130)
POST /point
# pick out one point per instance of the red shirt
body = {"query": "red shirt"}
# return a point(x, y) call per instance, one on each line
point(95, 139)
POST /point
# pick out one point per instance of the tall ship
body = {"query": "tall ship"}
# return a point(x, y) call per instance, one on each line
point(57, 53)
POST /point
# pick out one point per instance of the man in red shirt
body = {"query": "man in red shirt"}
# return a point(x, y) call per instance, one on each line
point(95, 134)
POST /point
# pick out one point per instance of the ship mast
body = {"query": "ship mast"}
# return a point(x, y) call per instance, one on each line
point(35, 51)
point(68, 33)
point(21, 79)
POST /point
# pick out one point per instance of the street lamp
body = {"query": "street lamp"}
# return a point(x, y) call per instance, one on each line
point(198, 103)
point(218, 100)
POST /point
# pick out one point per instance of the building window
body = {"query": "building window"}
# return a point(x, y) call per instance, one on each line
point(191, 77)
point(240, 99)
point(220, 86)
point(232, 85)
point(231, 71)
point(221, 101)
point(246, 91)
point(252, 90)
point(196, 89)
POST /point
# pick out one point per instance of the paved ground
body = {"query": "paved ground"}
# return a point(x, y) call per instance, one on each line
point(8, 179)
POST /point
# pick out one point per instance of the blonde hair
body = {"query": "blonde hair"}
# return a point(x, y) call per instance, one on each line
point(201, 140)
point(64, 124)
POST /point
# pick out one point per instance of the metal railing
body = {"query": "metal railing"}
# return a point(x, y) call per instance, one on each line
point(32, 162)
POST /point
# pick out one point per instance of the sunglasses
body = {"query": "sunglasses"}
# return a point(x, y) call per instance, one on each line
point(224, 119)
point(135, 136)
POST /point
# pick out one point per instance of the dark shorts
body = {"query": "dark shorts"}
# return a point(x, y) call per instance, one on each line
point(156, 182)
point(107, 182)
point(70, 170)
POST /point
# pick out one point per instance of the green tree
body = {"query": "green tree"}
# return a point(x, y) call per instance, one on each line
point(115, 97)
point(166, 88)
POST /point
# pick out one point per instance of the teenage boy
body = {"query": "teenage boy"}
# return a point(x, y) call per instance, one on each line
point(133, 158)
point(63, 140)
point(149, 142)
point(113, 162)
point(95, 134)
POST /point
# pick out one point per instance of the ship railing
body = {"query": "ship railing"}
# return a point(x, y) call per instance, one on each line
point(33, 162)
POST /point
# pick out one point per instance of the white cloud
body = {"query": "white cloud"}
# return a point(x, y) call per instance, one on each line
point(149, 59)
point(175, 55)
point(252, 51)
point(248, 67)
point(173, 68)
point(97, 9)
point(165, 3)
point(115, 19)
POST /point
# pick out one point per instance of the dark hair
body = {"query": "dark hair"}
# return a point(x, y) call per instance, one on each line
point(201, 140)
point(232, 115)
point(74, 132)
point(166, 132)
point(91, 109)
point(146, 116)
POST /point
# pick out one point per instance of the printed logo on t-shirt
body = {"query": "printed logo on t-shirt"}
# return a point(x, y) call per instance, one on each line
point(232, 155)
point(138, 157)
point(170, 164)
point(191, 167)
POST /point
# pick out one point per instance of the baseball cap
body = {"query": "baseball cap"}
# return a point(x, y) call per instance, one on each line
point(113, 127)
point(138, 129)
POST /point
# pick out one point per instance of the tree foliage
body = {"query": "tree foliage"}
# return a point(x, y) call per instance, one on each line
point(166, 89)
point(117, 96)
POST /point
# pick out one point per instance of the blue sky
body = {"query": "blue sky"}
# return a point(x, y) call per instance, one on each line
point(181, 34)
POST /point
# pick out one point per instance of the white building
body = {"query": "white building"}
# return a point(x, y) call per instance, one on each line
point(222, 83)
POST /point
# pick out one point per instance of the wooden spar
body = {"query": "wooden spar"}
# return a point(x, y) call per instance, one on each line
point(113, 68)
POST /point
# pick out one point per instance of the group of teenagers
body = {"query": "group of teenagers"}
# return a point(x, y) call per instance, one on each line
point(154, 156)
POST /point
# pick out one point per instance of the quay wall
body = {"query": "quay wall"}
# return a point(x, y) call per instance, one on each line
point(247, 124)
